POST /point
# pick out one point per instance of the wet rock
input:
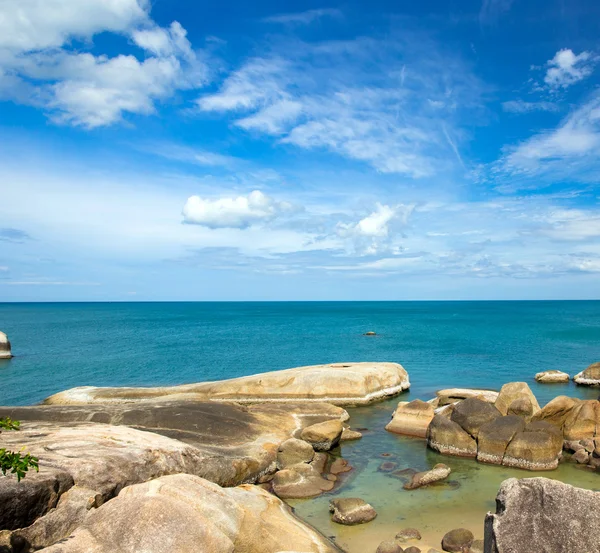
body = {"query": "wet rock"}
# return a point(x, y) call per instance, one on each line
point(494, 437)
point(436, 474)
point(512, 391)
point(351, 510)
point(340, 466)
point(452, 395)
point(323, 436)
point(590, 376)
point(538, 447)
point(412, 418)
point(294, 451)
point(389, 547)
point(472, 413)
point(5, 352)
point(408, 534)
point(560, 518)
point(300, 481)
point(581, 457)
point(550, 377)
point(387, 455)
point(448, 437)
point(348, 435)
point(458, 541)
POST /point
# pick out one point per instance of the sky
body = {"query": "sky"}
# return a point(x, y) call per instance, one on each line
point(382, 150)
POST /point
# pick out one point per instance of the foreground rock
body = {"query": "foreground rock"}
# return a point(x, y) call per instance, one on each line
point(293, 452)
point(552, 377)
point(5, 352)
point(436, 474)
point(458, 541)
point(186, 513)
point(590, 376)
point(411, 418)
point(338, 383)
point(351, 510)
point(560, 518)
point(323, 436)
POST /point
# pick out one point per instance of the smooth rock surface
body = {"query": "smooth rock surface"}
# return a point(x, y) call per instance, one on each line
point(551, 377)
point(294, 451)
point(389, 546)
point(589, 376)
point(408, 534)
point(349, 435)
point(451, 395)
point(449, 438)
point(351, 510)
point(411, 418)
point(337, 383)
point(323, 436)
point(299, 481)
point(458, 540)
point(560, 518)
point(184, 513)
point(512, 391)
point(472, 413)
point(537, 447)
point(437, 473)
point(5, 351)
point(494, 437)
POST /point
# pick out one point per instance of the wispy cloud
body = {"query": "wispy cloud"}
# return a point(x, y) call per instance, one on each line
point(13, 235)
point(303, 18)
point(567, 68)
point(491, 10)
point(521, 106)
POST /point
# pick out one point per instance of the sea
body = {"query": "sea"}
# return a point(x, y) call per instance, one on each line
point(475, 344)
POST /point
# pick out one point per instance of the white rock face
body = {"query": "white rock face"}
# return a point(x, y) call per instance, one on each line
point(5, 352)
point(337, 383)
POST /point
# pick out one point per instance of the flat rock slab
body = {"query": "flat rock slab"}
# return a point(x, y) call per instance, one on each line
point(337, 383)
point(551, 377)
point(186, 513)
point(411, 418)
point(559, 518)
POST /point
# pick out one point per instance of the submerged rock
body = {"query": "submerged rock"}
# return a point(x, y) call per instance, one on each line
point(515, 391)
point(323, 436)
point(5, 352)
point(337, 383)
point(420, 479)
point(348, 435)
point(411, 418)
point(551, 377)
point(351, 510)
point(458, 540)
point(560, 518)
point(589, 377)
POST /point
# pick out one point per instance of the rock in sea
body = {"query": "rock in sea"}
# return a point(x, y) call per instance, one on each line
point(590, 376)
point(436, 474)
point(551, 377)
point(323, 436)
point(411, 418)
point(5, 352)
point(351, 510)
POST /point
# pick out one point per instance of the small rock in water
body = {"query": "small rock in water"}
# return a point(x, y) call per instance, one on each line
point(351, 510)
point(348, 434)
point(581, 456)
point(420, 479)
point(370, 333)
point(5, 352)
point(408, 534)
point(387, 466)
point(387, 455)
point(458, 540)
point(389, 547)
point(550, 377)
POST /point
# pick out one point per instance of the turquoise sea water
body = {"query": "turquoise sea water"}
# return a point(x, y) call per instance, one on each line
point(441, 344)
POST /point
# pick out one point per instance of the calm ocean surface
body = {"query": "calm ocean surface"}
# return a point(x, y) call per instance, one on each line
point(441, 344)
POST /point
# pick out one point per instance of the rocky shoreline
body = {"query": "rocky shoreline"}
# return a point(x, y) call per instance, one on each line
point(213, 463)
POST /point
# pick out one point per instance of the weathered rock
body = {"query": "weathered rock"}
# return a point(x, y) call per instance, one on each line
point(521, 407)
point(320, 461)
point(340, 466)
point(452, 395)
point(448, 437)
point(337, 383)
point(294, 451)
point(412, 549)
point(5, 352)
point(477, 547)
point(582, 420)
point(472, 413)
point(560, 518)
point(557, 411)
point(458, 540)
point(494, 437)
point(351, 510)
point(512, 391)
point(538, 447)
point(581, 457)
point(323, 436)
point(550, 377)
point(590, 376)
point(412, 418)
point(348, 435)
point(300, 481)
point(407, 535)
point(572, 445)
point(389, 547)
point(420, 479)
point(185, 513)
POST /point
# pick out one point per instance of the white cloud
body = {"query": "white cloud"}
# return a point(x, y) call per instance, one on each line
point(567, 68)
point(303, 18)
point(521, 106)
point(240, 212)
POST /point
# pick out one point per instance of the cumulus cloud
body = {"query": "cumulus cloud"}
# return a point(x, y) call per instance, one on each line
point(567, 68)
point(239, 212)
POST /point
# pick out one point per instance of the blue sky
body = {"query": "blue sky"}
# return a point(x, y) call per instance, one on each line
point(179, 150)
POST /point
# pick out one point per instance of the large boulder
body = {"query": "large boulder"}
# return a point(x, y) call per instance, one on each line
point(299, 481)
point(337, 383)
point(186, 513)
point(537, 447)
point(515, 391)
point(590, 376)
point(551, 377)
point(494, 437)
point(5, 352)
point(448, 437)
point(582, 421)
point(559, 518)
point(557, 411)
point(323, 436)
point(452, 395)
point(411, 418)
point(437, 473)
point(351, 510)
point(472, 413)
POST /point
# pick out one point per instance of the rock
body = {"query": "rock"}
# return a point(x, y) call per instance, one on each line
point(538, 447)
point(589, 377)
point(477, 547)
point(550, 377)
point(348, 435)
point(387, 466)
point(581, 457)
point(557, 411)
point(294, 451)
point(351, 510)
point(420, 479)
point(412, 549)
point(337, 383)
point(370, 333)
point(389, 547)
point(588, 444)
point(472, 413)
point(433, 551)
point(323, 436)
point(412, 418)
point(560, 518)
point(521, 407)
point(320, 461)
point(572, 445)
point(300, 481)
point(452, 395)
point(494, 437)
point(5, 352)
point(448, 437)
point(458, 541)
point(340, 466)
point(408, 534)
point(512, 391)
point(582, 420)
point(186, 513)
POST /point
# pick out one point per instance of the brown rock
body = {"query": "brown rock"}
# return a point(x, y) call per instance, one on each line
point(473, 413)
point(557, 411)
point(477, 547)
point(550, 377)
point(323, 436)
point(389, 547)
point(494, 437)
point(582, 420)
point(348, 435)
point(512, 391)
point(581, 457)
point(320, 461)
point(351, 510)
point(458, 541)
point(411, 419)
point(412, 549)
point(420, 479)
point(521, 407)
point(408, 534)
point(590, 376)
point(448, 437)
point(339, 466)
point(538, 447)
point(299, 481)
point(294, 451)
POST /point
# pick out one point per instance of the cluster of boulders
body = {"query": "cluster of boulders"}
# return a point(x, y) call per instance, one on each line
point(5, 352)
point(459, 540)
